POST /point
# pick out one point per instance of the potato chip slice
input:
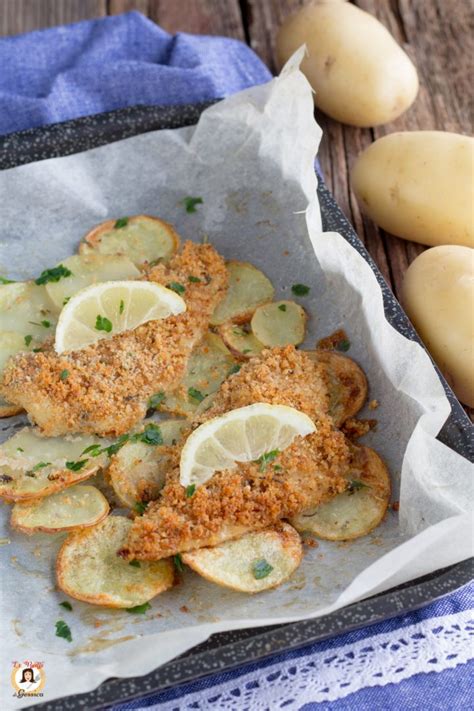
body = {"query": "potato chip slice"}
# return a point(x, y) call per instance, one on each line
point(357, 511)
point(89, 269)
point(280, 323)
point(347, 384)
point(33, 466)
point(141, 238)
point(209, 365)
point(89, 569)
point(240, 340)
point(76, 507)
point(11, 343)
point(137, 472)
point(26, 308)
point(7, 409)
point(256, 562)
point(248, 288)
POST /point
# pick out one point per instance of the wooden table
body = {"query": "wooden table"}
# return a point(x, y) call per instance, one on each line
point(437, 34)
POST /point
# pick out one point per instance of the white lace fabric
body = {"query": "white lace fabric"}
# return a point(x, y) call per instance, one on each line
point(429, 646)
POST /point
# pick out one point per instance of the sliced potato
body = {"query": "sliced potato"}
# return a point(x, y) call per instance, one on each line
point(281, 323)
point(358, 510)
point(26, 308)
point(240, 340)
point(142, 239)
point(208, 367)
point(89, 569)
point(76, 507)
point(11, 343)
point(7, 409)
point(137, 472)
point(346, 382)
point(248, 288)
point(256, 562)
point(33, 466)
point(89, 269)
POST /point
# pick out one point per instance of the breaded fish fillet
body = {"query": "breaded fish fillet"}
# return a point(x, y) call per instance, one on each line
point(109, 382)
point(245, 499)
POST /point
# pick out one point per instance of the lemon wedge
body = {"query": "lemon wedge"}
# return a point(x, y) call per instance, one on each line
point(246, 434)
point(106, 309)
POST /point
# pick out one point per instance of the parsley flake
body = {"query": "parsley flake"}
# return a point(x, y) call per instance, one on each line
point(45, 324)
point(102, 323)
point(150, 435)
point(266, 458)
point(282, 307)
point(40, 465)
point(178, 561)
point(155, 401)
point(196, 394)
point(175, 286)
point(67, 605)
point(122, 306)
point(300, 289)
point(191, 202)
point(65, 300)
point(235, 369)
point(76, 466)
point(93, 449)
point(193, 279)
point(116, 446)
point(135, 564)
point(64, 374)
point(356, 485)
point(139, 609)
point(53, 275)
point(140, 507)
point(343, 345)
point(28, 340)
point(261, 568)
point(190, 490)
point(63, 630)
point(4, 280)
point(121, 222)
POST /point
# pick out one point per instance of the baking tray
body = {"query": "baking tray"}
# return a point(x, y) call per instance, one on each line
point(228, 650)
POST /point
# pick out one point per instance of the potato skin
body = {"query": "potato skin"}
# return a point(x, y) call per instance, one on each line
point(361, 76)
point(418, 185)
point(438, 295)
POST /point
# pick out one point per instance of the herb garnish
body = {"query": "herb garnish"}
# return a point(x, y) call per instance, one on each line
point(175, 286)
point(93, 449)
point(139, 609)
point(28, 340)
point(193, 279)
point(191, 202)
point(76, 466)
point(266, 458)
point(40, 465)
point(155, 401)
point(4, 280)
point(261, 568)
point(300, 289)
point(135, 564)
point(64, 374)
point(343, 345)
point(235, 369)
point(53, 275)
point(196, 394)
point(121, 307)
point(116, 446)
point(150, 435)
point(67, 605)
point(140, 507)
point(102, 323)
point(356, 485)
point(178, 561)
point(63, 630)
point(190, 490)
point(65, 300)
point(121, 222)
point(45, 324)
point(282, 307)
point(20, 449)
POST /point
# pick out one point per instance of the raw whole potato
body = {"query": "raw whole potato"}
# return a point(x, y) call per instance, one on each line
point(438, 295)
point(419, 185)
point(359, 73)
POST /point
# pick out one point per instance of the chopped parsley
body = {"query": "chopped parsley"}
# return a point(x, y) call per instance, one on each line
point(53, 275)
point(65, 300)
point(28, 340)
point(40, 465)
point(193, 279)
point(300, 289)
point(261, 568)
point(175, 286)
point(20, 449)
point(235, 369)
point(196, 394)
point(76, 466)
point(140, 507)
point(356, 485)
point(343, 345)
point(4, 280)
point(121, 222)
point(67, 605)
point(102, 323)
point(135, 564)
point(116, 446)
point(190, 490)
point(191, 202)
point(139, 609)
point(277, 468)
point(64, 374)
point(178, 561)
point(150, 435)
point(266, 458)
point(282, 307)
point(155, 401)
point(94, 450)
point(63, 630)
point(45, 324)
point(122, 306)
point(247, 350)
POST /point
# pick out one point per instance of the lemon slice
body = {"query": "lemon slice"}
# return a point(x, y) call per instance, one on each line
point(104, 310)
point(241, 435)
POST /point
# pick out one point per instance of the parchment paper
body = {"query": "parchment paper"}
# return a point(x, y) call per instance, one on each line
point(251, 159)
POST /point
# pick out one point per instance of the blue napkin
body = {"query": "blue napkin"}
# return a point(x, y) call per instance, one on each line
point(100, 65)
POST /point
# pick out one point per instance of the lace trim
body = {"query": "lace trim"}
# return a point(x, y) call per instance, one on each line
point(432, 645)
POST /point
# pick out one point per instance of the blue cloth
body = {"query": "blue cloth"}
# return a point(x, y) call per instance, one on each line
point(93, 66)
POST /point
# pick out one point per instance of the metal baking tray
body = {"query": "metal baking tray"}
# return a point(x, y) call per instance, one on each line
point(228, 650)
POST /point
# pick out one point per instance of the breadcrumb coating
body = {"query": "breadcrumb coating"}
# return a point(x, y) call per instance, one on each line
point(245, 499)
point(110, 382)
